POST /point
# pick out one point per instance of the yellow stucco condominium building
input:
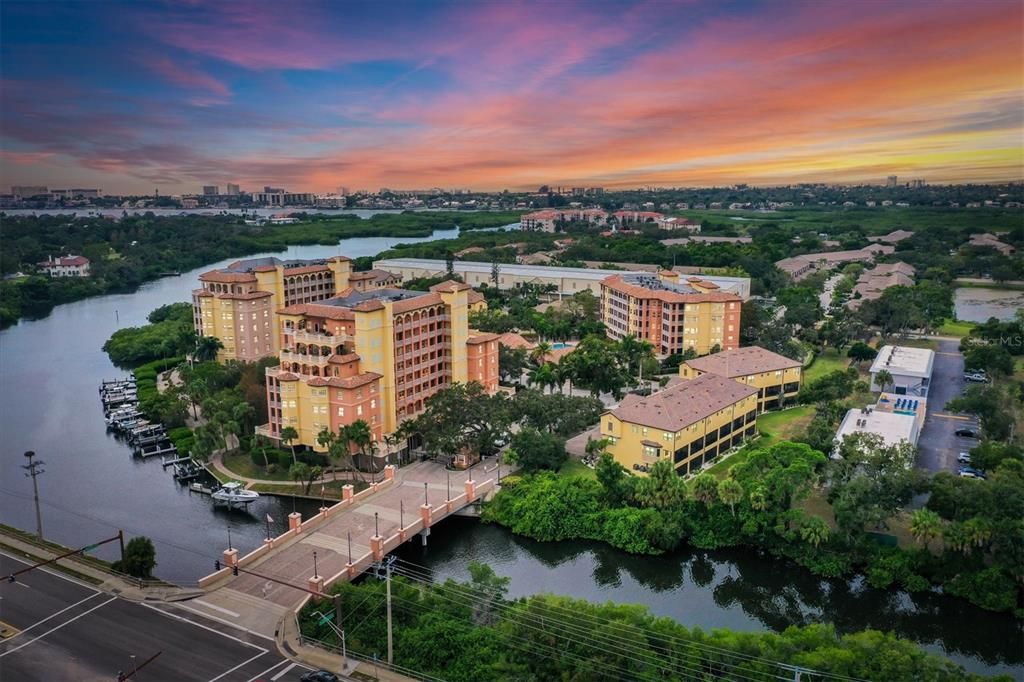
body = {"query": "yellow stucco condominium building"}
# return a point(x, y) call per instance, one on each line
point(374, 356)
point(776, 377)
point(690, 423)
point(672, 313)
point(237, 303)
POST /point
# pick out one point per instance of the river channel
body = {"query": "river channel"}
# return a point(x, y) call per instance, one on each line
point(50, 369)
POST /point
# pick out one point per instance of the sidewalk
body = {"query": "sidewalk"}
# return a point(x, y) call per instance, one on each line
point(103, 580)
point(217, 462)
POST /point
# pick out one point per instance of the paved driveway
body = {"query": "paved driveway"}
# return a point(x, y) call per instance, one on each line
point(938, 446)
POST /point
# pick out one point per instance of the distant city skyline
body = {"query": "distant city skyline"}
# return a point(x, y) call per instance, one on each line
point(313, 96)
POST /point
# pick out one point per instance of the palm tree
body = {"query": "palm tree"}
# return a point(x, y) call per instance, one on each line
point(326, 439)
point(299, 472)
point(884, 378)
point(705, 488)
point(955, 537)
point(814, 530)
point(207, 348)
point(925, 525)
point(758, 499)
point(361, 436)
point(730, 492)
point(261, 444)
point(288, 436)
point(540, 352)
point(978, 531)
point(544, 376)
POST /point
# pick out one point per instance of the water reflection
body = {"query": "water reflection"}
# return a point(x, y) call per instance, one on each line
point(738, 589)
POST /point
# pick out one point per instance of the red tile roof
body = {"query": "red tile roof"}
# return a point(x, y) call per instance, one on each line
point(676, 407)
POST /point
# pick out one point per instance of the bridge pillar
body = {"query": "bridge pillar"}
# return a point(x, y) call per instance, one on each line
point(346, 493)
point(350, 569)
point(315, 583)
point(389, 472)
point(230, 557)
point(425, 514)
point(295, 522)
point(470, 491)
point(323, 511)
point(377, 547)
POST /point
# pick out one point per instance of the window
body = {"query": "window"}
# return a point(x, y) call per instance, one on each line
point(651, 452)
point(373, 404)
point(359, 410)
point(609, 426)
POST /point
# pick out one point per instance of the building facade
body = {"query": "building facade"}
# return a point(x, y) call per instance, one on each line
point(65, 266)
point(565, 281)
point(375, 356)
point(671, 313)
point(237, 303)
point(691, 423)
point(910, 369)
point(776, 377)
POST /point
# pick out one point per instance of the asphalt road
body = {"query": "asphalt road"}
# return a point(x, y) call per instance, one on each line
point(70, 631)
point(938, 446)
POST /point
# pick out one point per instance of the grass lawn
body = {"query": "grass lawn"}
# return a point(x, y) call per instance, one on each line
point(241, 464)
point(332, 489)
point(956, 328)
point(575, 467)
point(829, 360)
point(784, 424)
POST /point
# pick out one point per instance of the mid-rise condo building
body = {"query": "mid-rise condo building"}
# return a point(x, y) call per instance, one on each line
point(375, 356)
point(671, 312)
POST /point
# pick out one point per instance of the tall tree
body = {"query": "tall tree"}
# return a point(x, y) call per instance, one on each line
point(288, 436)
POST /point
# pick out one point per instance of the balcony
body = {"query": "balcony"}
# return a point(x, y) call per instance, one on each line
point(318, 338)
point(304, 358)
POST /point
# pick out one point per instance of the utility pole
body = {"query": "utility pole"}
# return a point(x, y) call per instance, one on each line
point(33, 471)
point(391, 651)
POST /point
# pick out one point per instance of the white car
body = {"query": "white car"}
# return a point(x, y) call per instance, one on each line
point(964, 458)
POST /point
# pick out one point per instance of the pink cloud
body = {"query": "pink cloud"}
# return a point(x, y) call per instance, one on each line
point(191, 79)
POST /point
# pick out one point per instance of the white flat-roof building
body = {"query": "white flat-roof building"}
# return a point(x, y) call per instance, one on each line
point(896, 418)
point(911, 369)
point(568, 280)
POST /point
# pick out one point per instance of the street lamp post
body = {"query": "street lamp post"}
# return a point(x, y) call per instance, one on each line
point(34, 470)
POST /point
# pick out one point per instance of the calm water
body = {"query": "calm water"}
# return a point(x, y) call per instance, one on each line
point(732, 589)
point(49, 372)
point(976, 304)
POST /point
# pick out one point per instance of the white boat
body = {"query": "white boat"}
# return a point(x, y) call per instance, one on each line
point(234, 492)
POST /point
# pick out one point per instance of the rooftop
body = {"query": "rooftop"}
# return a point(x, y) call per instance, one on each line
point(742, 362)
point(533, 271)
point(682, 404)
point(646, 285)
point(904, 361)
point(893, 427)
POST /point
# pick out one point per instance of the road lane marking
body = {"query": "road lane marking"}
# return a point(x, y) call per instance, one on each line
point(55, 574)
point(216, 608)
point(240, 665)
point(208, 616)
point(205, 627)
point(54, 615)
point(942, 415)
point(283, 672)
point(52, 630)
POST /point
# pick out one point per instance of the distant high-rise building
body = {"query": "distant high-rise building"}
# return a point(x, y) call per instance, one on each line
point(917, 184)
point(26, 191)
point(891, 181)
point(233, 190)
point(211, 190)
point(343, 192)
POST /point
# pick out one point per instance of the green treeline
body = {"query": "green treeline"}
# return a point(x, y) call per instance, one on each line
point(136, 249)
point(472, 632)
point(791, 500)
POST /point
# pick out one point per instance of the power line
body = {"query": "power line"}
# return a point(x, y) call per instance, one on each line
point(419, 571)
point(621, 648)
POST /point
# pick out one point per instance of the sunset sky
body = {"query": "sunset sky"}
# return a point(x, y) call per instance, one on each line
point(492, 95)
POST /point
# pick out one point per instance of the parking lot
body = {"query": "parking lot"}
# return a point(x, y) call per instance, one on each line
point(57, 628)
point(939, 445)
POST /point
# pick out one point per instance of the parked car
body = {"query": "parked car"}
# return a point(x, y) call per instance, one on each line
point(964, 458)
point(319, 676)
point(966, 433)
point(976, 377)
point(971, 472)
